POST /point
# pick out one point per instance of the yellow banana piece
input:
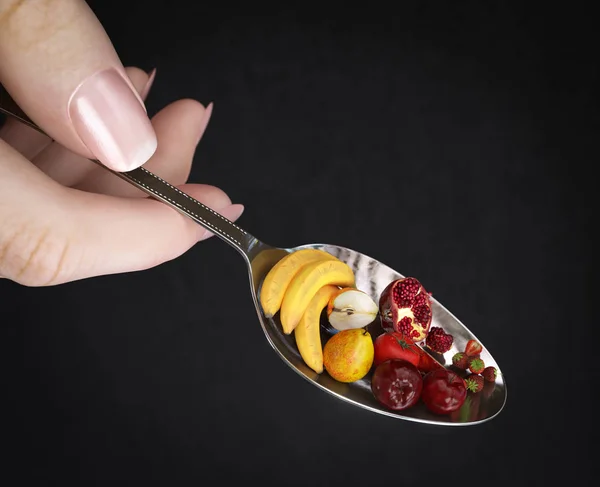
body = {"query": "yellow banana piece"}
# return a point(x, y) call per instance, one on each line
point(305, 284)
point(308, 330)
point(279, 277)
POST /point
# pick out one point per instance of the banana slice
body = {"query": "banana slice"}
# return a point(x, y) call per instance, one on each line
point(308, 330)
point(305, 284)
point(279, 277)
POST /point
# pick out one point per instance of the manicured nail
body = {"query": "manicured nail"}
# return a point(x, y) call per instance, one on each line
point(205, 120)
point(149, 83)
point(111, 122)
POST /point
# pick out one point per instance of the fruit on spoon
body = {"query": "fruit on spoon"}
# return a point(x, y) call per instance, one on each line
point(308, 331)
point(351, 308)
point(397, 384)
point(443, 391)
point(396, 346)
point(279, 277)
point(473, 348)
point(460, 360)
point(405, 307)
point(438, 340)
point(476, 365)
point(348, 355)
point(305, 284)
point(474, 382)
point(428, 363)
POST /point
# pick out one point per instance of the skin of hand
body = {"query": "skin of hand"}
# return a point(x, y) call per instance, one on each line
point(62, 217)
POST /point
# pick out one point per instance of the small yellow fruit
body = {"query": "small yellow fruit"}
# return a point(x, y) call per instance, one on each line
point(348, 355)
point(305, 284)
point(308, 331)
point(280, 276)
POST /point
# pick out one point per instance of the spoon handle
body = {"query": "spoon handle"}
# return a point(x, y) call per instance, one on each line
point(159, 189)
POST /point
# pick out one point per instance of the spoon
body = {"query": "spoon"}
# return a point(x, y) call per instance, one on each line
point(371, 276)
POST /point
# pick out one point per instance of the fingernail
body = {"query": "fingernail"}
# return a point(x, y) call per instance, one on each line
point(111, 122)
point(149, 83)
point(205, 120)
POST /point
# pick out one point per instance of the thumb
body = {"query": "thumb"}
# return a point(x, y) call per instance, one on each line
point(60, 67)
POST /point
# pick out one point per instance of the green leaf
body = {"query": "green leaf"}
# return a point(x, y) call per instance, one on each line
point(403, 343)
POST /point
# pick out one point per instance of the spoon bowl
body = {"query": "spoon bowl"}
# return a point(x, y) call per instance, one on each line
point(371, 277)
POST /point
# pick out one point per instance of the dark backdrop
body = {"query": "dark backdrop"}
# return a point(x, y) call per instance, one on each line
point(452, 143)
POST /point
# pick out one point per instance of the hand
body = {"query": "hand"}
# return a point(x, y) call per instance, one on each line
point(62, 217)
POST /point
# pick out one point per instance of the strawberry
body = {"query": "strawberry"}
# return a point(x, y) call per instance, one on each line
point(476, 365)
point(460, 360)
point(473, 348)
point(490, 373)
point(474, 382)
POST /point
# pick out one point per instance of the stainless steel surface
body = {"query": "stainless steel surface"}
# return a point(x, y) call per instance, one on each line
point(371, 276)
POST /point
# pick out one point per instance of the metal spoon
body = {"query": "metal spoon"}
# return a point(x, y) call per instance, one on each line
point(371, 276)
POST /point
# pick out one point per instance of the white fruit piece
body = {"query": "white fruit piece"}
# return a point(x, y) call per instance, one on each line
point(351, 308)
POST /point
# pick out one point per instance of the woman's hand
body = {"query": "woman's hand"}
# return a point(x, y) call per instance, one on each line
point(62, 217)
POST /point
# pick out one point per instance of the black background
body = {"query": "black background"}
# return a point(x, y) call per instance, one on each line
point(452, 143)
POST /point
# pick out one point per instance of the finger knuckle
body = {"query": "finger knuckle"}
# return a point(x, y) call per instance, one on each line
point(34, 257)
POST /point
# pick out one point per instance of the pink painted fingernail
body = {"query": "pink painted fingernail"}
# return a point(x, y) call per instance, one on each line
point(111, 121)
point(148, 86)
